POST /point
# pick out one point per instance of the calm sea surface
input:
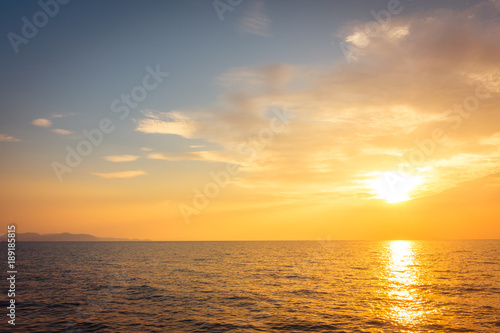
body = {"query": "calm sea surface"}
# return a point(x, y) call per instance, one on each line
point(315, 286)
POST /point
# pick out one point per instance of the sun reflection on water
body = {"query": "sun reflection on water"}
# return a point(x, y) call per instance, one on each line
point(402, 275)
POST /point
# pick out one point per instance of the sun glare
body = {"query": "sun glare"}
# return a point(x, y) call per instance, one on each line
point(393, 187)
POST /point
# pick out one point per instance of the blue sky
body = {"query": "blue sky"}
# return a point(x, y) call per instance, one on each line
point(93, 51)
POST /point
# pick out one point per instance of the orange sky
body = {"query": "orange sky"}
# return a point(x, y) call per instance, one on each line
point(400, 139)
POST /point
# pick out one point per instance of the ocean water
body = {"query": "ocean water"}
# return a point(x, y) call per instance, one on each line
point(313, 286)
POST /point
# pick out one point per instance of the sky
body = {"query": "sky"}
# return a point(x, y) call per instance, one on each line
point(251, 119)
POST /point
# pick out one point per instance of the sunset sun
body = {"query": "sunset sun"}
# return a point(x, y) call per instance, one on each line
point(393, 187)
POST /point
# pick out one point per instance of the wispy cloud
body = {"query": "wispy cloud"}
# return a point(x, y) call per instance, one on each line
point(8, 138)
point(256, 21)
point(42, 122)
point(357, 118)
point(61, 131)
point(63, 115)
point(121, 158)
point(270, 76)
point(207, 156)
point(164, 123)
point(122, 174)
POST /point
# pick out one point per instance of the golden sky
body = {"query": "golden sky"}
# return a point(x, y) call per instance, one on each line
point(396, 137)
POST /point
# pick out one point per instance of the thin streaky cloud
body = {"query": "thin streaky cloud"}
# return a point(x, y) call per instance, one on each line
point(63, 115)
point(122, 174)
point(61, 131)
point(8, 138)
point(121, 158)
point(256, 21)
point(207, 156)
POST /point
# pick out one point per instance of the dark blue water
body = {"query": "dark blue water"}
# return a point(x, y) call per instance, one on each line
point(417, 286)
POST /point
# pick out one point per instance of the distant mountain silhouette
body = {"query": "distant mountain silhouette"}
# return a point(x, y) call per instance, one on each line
point(63, 237)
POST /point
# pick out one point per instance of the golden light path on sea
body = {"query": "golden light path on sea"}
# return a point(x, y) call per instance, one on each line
point(408, 305)
point(402, 275)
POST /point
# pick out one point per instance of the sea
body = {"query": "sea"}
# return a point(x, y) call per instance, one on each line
point(256, 286)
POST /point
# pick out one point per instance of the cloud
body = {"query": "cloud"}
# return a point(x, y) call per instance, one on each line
point(8, 138)
point(354, 119)
point(255, 20)
point(61, 131)
point(207, 156)
point(270, 77)
point(42, 122)
point(63, 115)
point(122, 174)
point(121, 158)
point(164, 123)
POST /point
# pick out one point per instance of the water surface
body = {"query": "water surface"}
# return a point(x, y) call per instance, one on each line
point(315, 286)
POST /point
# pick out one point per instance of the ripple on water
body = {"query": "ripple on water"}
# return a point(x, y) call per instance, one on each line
point(260, 287)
